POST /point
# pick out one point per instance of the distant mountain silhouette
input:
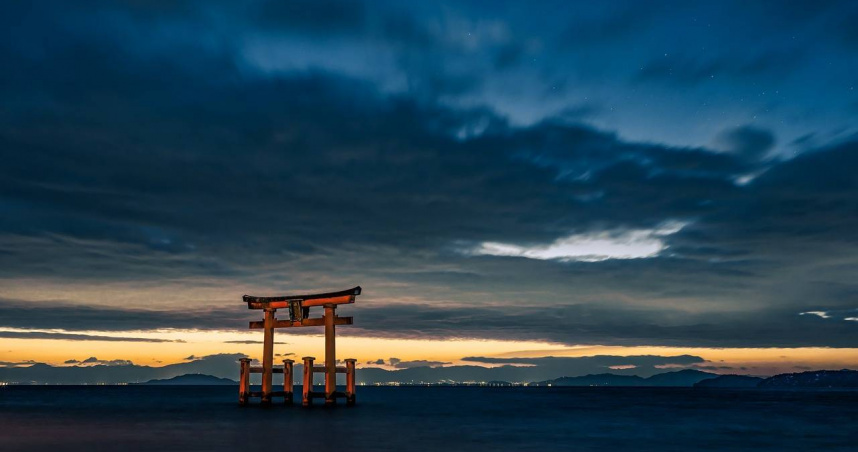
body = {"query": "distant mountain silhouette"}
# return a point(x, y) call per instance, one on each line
point(813, 379)
point(687, 377)
point(594, 380)
point(225, 366)
point(683, 378)
point(95, 371)
point(192, 379)
point(729, 381)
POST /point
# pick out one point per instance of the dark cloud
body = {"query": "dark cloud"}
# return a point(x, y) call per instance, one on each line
point(580, 324)
point(685, 71)
point(643, 365)
point(416, 363)
point(182, 157)
point(106, 362)
point(77, 337)
point(844, 29)
point(609, 323)
point(606, 361)
point(618, 23)
point(319, 18)
point(746, 141)
point(17, 363)
point(509, 56)
point(715, 368)
point(578, 113)
point(65, 316)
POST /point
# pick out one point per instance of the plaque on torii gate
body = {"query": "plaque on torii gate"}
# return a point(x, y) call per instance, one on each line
point(298, 307)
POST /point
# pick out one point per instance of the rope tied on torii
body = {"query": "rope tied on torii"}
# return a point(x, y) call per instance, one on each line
point(299, 316)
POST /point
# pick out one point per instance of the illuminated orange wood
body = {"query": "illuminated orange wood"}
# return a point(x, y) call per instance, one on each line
point(330, 355)
point(308, 380)
point(350, 381)
point(321, 299)
point(244, 381)
point(287, 381)
point(259, 324)
point(347, 299)
point(267, 355)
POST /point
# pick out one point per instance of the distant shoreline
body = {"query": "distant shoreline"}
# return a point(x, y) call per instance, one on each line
point(688, 378)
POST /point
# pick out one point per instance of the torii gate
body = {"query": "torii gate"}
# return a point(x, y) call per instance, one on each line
point(299, 316)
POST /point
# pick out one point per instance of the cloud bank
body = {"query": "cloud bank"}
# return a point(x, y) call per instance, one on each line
point(178, 150)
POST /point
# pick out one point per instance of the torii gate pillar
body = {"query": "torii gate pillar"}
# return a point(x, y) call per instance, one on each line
point(267, 355)
point(330, 355)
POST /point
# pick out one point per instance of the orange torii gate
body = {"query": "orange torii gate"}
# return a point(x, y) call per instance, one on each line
point(299, 316)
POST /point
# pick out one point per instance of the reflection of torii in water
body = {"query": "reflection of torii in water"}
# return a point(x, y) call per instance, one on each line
point(299, 315)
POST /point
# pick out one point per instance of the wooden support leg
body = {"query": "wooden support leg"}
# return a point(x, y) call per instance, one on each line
point(244, 381)
point(267, 356)
point(308, 380)
point(287, 381)
point(350, 381)
point(330, 356)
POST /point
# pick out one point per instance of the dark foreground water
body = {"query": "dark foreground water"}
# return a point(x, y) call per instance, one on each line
point(428, 418)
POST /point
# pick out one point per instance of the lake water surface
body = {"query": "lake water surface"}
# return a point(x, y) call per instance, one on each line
point(157, 418)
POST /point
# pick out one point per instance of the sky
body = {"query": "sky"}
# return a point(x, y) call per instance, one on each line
point(508, 181)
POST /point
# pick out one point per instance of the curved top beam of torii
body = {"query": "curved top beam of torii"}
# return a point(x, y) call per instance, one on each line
point(320, 299)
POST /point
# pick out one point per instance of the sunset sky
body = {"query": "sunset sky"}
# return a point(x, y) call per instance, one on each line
point(504, 179)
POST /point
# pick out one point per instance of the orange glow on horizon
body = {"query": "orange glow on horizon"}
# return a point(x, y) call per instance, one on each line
point(758, 361)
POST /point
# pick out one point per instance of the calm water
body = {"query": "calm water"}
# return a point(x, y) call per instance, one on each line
point(449, 419)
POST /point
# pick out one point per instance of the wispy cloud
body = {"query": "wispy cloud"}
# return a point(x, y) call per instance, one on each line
point(821, 314)
point(28, 362)
point(252, 342)
point(93, 361)
point(78, 337)
point(397, 363)
point(590, 247)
